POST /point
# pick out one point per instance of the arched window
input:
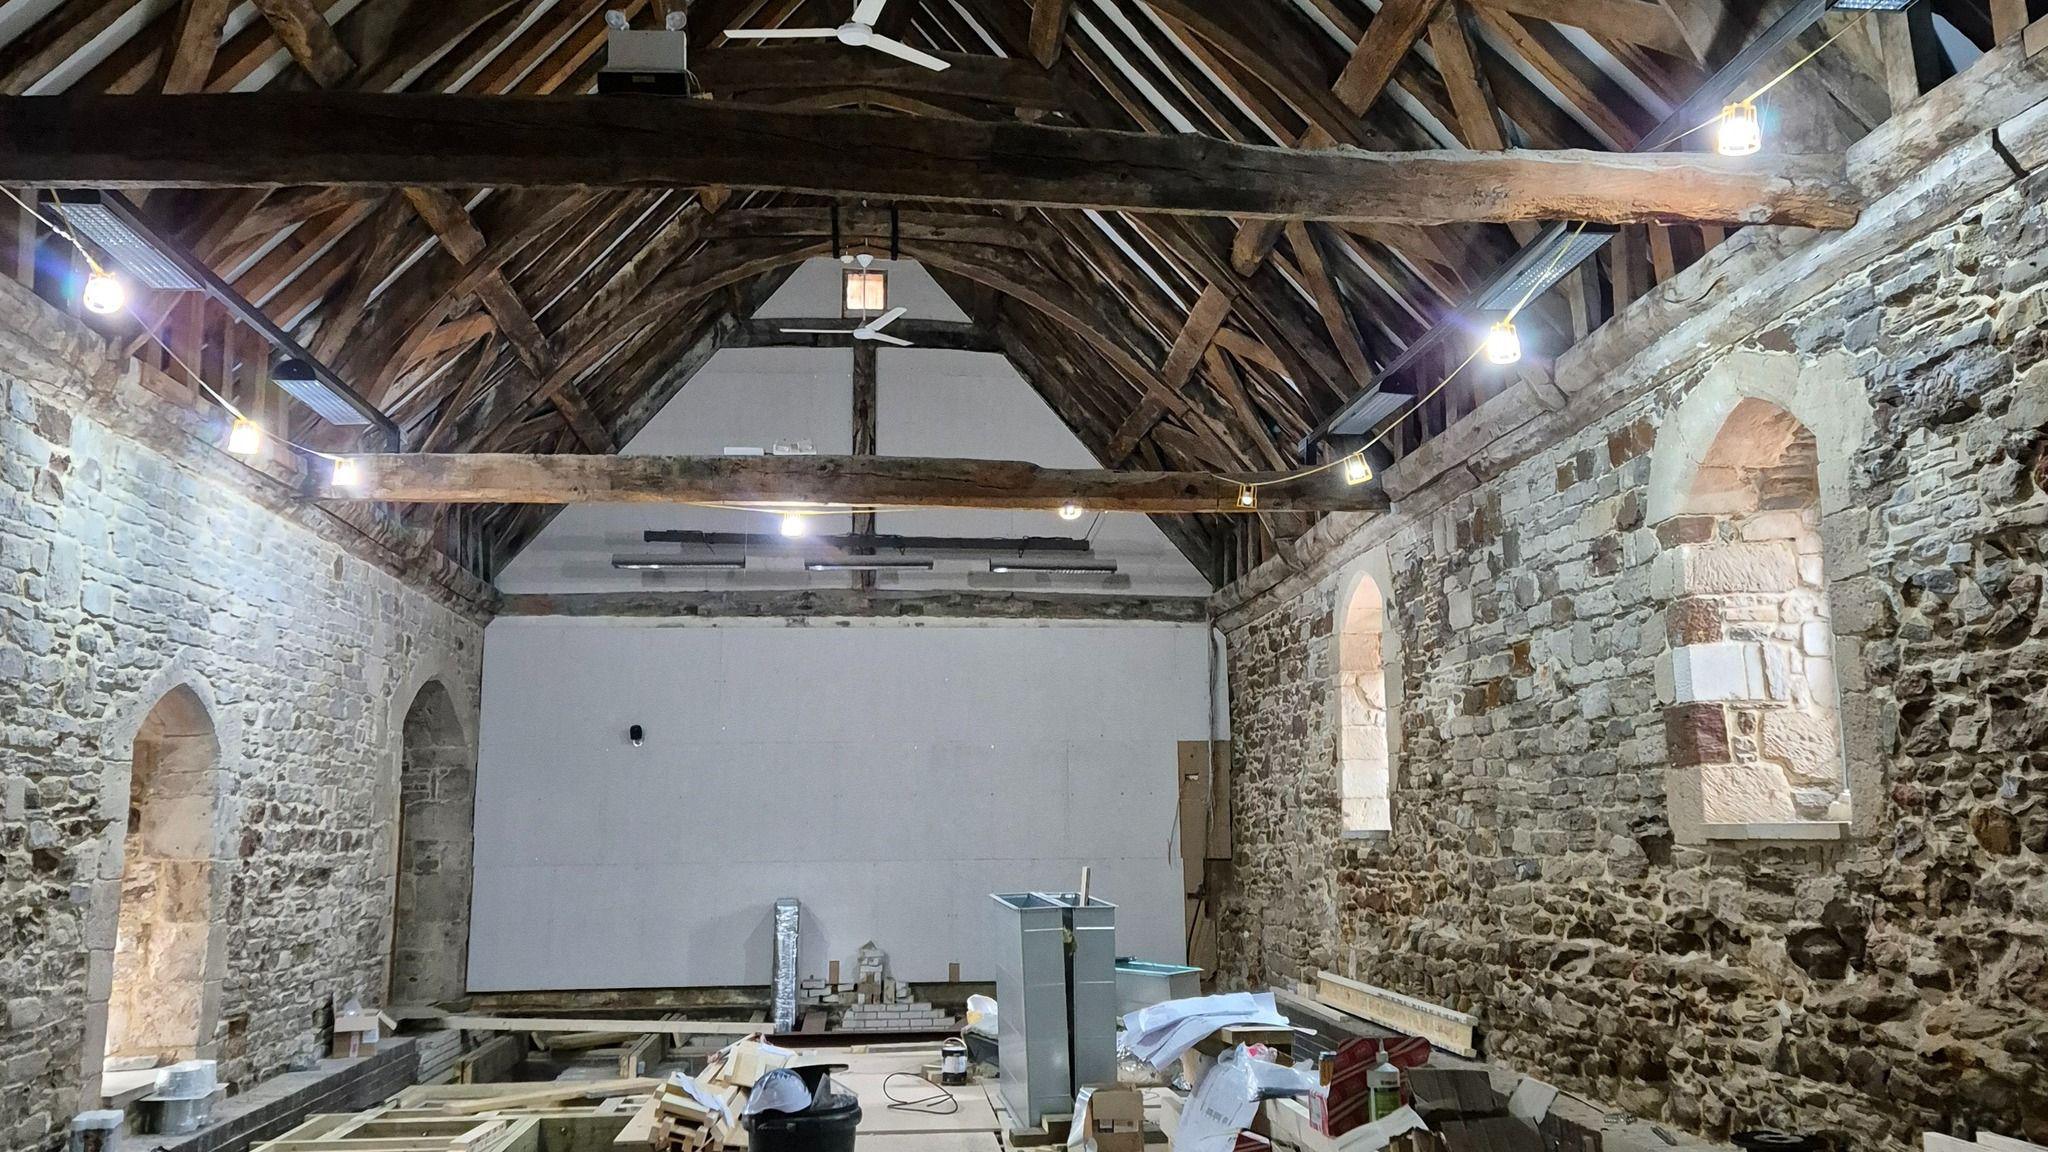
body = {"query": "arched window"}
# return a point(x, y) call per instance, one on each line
point(437, 802)
point(1755, 709)
point(1364, 762)
point(158, 1001)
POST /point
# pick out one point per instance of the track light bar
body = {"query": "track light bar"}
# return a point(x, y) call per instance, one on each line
point(1053, 567)
point(856, 542)
point(676, 563)
point(869, 564)
point(89, 214)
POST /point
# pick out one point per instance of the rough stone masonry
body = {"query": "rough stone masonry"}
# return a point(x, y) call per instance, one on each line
point(1544, 870)
point(138, 564)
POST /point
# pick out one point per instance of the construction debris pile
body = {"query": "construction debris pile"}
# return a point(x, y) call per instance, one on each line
point(691, 1114)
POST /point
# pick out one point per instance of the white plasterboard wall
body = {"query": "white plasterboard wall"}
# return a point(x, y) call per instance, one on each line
point(928, 403)
point(889, 775)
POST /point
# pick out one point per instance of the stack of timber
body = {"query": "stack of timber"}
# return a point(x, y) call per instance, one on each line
point(679, 1121)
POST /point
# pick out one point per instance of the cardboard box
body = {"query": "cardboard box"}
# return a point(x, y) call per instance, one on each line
point(356, 1034)
point(1116, 1119)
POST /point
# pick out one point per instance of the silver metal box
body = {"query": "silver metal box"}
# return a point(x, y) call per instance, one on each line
point(1055, 1000)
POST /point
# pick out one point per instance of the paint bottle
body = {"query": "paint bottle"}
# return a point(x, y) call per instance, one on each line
point(1383, 1084)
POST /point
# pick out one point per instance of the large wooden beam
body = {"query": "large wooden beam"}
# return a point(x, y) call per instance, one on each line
point(914, 481)
point(931, 334)
point(375, 140)
point(887, 603)
point(744, 73)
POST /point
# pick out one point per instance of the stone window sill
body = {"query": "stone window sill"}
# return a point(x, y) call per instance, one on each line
point(1366, 835)
point(1801, 830)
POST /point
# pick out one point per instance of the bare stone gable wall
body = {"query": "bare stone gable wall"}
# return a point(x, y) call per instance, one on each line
point(1548, 868)
point(137, 561)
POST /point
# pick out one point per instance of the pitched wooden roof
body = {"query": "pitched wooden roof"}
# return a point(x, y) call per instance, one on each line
point(541, 320)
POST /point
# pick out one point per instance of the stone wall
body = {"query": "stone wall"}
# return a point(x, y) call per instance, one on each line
point(1548, 868)
point(138, 564)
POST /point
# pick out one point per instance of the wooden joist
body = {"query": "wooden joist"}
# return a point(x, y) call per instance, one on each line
point(1452, 1031)
point(375, 140)
point(474, 1023)
point(911, 481)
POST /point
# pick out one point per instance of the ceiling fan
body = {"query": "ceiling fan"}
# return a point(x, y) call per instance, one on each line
point(868, 330)
point(858, 32)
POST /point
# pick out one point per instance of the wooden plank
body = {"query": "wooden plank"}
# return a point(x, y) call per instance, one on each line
point(1393, 31)
point(309, 38)
point(1207, 315)
point(916, 481)
point(2034, 41)
point(1452, 1031)
point(1629, 21)
point(376, 140)
point(1048, 29)
point(554, 1093)
point(194, 43)
point(474, 1023)
point(1911, 54)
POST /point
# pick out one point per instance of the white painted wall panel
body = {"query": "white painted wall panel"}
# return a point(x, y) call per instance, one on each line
point(889, 775)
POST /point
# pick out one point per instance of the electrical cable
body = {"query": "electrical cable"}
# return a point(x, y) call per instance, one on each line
point(940, 1102)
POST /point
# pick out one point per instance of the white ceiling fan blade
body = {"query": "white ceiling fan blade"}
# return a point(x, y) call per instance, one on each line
point(885, 338)
point(886, 319)
point(902, 51)
point(822, 331)
point(868, 11)
point(781, 33)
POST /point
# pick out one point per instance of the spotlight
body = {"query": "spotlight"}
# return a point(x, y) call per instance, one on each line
point(1503, 346)
point(1247, 497)
point(1356, 470)
point(245, 438)
point(1740, 134)
point(793, 524)
point(346, 474)
point(1071, 511)
point(104, 294)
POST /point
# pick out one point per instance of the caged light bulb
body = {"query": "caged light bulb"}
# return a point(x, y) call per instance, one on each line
point(1740, 133)
point(104, 294)
point(1356, 470)
point(245, 438)
point(1503, 345)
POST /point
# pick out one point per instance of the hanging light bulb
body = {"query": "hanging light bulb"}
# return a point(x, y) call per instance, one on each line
point(346, 474)
point(794, 524)
point(1740, 133)
point(104, 294)
point(1503, 346)
point(1070, 511)
point(1247, 497)
point(1356, 470)
point(245, 438)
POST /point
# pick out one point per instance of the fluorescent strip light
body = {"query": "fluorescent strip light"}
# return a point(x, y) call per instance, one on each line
point(675, 563)
point(89, 214)
point(1056, 567)
point(867, 564)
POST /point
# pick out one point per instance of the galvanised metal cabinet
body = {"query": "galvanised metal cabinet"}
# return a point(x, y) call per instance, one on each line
point(1055, 1000)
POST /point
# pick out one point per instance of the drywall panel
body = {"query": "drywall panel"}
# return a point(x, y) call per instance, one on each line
point(929, 402)
point(889, 775)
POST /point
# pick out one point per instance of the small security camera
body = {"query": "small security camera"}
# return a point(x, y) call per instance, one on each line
point(617, 19)
point(636, 734)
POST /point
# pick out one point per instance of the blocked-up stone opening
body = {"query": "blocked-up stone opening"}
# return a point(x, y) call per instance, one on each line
point(158, 998)
point(1364, 763)
point(1752, 656)
point(437, 801)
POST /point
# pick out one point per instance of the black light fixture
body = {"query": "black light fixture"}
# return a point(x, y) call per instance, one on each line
point(1056, 567)
point(869, 564)
point(676, 563)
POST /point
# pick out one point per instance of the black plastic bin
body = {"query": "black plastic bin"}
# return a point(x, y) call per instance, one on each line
point(826, 1126)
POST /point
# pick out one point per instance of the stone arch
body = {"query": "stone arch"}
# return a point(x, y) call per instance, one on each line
point(155, 939)
point(1367, 698)
point(435, 847)
point(1748, 482)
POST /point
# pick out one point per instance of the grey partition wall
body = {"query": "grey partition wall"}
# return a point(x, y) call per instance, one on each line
point(1055, 1000)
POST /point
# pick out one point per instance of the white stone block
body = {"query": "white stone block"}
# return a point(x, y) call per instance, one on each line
point(1720, 671)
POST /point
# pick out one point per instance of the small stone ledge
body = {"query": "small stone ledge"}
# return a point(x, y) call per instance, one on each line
point(1794, 830)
